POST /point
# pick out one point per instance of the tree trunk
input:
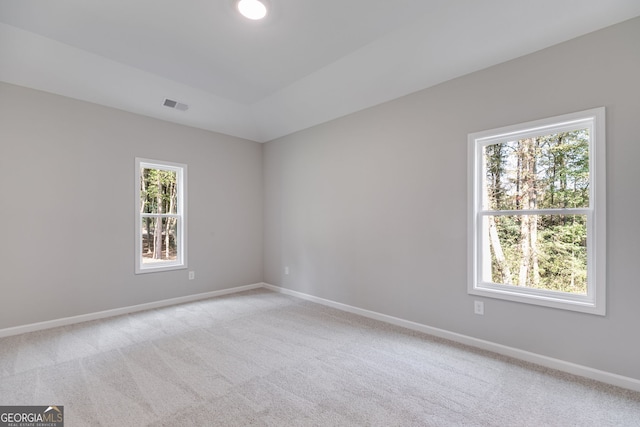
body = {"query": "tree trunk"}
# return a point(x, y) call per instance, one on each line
point(533, 204)
point(528, 223)
point(170, 221)
point(157, 247)
point(525, 246)
point(494, 238)
point(505, 271)
point(534, 251)
point(143, 201)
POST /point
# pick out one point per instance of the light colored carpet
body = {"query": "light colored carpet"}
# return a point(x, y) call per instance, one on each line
point(262, 358)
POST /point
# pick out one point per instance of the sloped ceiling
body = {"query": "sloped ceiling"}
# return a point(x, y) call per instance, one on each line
point(308, 62)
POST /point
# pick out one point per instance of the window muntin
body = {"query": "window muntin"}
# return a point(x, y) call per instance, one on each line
point(160, 216)
point(537, 213)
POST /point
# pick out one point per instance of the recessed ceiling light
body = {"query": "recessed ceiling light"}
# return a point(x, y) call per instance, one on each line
point(252, 9)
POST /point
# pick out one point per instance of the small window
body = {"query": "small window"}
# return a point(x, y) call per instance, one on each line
point(160, 216)
point(537, 226)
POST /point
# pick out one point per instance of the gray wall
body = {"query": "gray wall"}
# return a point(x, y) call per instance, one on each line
point(370, 210)
point(67, 207)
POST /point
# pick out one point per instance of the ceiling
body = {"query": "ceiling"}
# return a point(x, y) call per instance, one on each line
point(308, 62)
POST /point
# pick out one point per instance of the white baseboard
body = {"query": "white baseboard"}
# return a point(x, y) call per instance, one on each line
point(538, 359)
point(119, 311)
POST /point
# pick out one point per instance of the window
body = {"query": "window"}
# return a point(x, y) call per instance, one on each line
point(537, 212)
point(160, 216)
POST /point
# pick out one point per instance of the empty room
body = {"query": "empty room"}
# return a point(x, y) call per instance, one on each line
point(319, 213)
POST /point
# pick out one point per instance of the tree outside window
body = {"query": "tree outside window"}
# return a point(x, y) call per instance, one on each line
point(537, 215)
point(160, 217)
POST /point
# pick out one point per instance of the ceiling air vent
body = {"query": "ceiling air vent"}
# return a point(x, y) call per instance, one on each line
point(175, 104)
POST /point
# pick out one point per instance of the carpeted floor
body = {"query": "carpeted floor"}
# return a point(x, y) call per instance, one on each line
point(263, 358)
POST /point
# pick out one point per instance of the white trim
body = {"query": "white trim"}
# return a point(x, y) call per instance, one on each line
point(181, 181)
point(594, 301)
point(522, 212)
point(538, 359)
point(32, 327)
point(523, 130)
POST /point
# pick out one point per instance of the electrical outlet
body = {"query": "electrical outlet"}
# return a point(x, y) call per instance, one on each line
point(192, 275)
point(286, 270)
point(478, 307)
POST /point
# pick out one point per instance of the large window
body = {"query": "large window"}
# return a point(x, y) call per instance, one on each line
point(160, 216)
point(537, 212)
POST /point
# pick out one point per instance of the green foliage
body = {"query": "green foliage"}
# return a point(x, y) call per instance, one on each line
point(547, 172)
point(158, 191)
point(158, 195)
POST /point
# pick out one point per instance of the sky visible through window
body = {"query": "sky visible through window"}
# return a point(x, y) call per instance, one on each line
point(547, 172)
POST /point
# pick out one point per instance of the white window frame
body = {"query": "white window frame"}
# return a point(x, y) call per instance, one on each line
point(594, 302)
point(181, 213)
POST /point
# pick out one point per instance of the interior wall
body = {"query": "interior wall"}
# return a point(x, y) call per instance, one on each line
point(67, 206)
point(371, 210)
